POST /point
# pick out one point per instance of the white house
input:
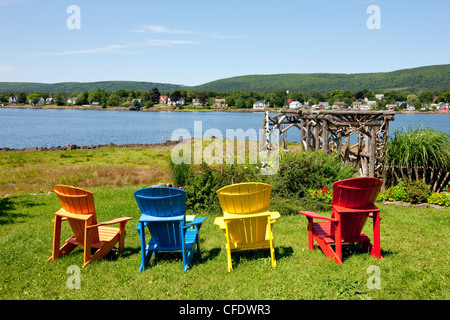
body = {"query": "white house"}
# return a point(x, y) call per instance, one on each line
point(379, 97)
point(71, 101)
point(180, 102)
point(49, 101)
point(410, 107)
point(196, 102)
point(365, 107)
point(12, 100)
point(163, 99)
point(259, 105)
point(294, 105)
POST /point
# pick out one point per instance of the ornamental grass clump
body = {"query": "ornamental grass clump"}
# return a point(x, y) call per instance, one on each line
point(421, 154)
point(423, 147)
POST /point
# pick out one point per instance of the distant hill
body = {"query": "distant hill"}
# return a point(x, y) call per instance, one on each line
point(434, 78)
point(422, 78)
point(84, 86)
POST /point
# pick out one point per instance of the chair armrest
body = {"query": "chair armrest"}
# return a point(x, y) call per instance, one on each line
point(147, 218)
point(352, 210)
point(115, 221)
point(317, 216)
point(64, 214)
point(197, 221)
point(219, 222)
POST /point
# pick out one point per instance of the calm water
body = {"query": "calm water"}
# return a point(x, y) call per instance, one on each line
point(22, 128)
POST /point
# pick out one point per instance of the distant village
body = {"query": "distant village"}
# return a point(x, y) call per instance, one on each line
point(165, 101)
point(365, 105)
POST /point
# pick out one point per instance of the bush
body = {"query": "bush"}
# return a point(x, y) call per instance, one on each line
point(300, 172)
point(397, 193)
point(417, 191)
point(441, 199)
point(297, 174)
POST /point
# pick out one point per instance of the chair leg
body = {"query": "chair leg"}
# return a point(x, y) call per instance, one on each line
point(145, 256)
point(376, 249)
point(272, 255)
point(230, 264)
point(310, 234)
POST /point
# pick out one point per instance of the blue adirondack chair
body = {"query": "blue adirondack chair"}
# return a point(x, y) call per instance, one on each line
point(163, 213)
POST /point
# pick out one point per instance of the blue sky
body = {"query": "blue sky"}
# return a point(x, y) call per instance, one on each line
point(196, 41)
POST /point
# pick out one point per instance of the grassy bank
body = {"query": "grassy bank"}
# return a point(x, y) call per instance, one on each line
point(30, 172)
point(414, 242)
point(415, 264)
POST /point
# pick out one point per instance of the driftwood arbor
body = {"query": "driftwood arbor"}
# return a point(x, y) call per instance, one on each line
point(358, 137)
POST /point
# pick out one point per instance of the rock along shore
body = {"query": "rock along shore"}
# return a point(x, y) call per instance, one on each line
point(75, 147)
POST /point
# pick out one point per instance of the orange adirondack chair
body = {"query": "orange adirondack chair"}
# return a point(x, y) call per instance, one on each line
point(79, 210)
point(353, 203)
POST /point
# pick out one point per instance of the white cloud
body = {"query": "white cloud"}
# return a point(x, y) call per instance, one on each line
point(224, 36)
point(160, 29)
point(6, 67)
point(118, 49)
point(167, 43)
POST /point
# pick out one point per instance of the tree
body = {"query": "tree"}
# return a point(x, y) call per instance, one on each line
point(22, 97)
point(411, 98)
point(82, 98)
point(175, 96)
point(59, 99)
point(202, 96)
point(426, 96)
point(33, 98)
point(156, 95)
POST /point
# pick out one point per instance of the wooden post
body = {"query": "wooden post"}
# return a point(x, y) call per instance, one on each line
point(302, 134)
point(316, 137)
point(325, 136)
point(372, 153)
point(308, 135)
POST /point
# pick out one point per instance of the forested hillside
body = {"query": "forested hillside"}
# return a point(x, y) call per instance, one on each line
point(424, 78)
point(433, 78)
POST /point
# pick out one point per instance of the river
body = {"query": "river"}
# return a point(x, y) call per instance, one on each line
point(23, 128)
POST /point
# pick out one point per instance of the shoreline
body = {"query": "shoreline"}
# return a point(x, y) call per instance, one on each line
point(170, 109)
point(93, 147)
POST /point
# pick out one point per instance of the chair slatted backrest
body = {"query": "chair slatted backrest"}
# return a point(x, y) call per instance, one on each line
point(78, 201)
point(166, 234)
point(163, 202)
point(246, 230)
point(245, 198)
point(355, 193)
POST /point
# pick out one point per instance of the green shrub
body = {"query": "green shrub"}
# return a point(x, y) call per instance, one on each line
point(181, 173)
point(396, 193)
point(299, 172)
point(441, 199)
point(417, 191)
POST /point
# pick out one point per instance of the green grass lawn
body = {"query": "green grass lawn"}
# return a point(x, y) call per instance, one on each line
point(414, 243)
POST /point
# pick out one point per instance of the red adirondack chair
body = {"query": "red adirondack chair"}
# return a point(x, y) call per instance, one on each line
point(353, 203)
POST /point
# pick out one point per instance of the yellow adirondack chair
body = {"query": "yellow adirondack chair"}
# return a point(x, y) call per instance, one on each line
point(245, 198)
point(248, 231)
point(245, 207)
point(79, 210)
